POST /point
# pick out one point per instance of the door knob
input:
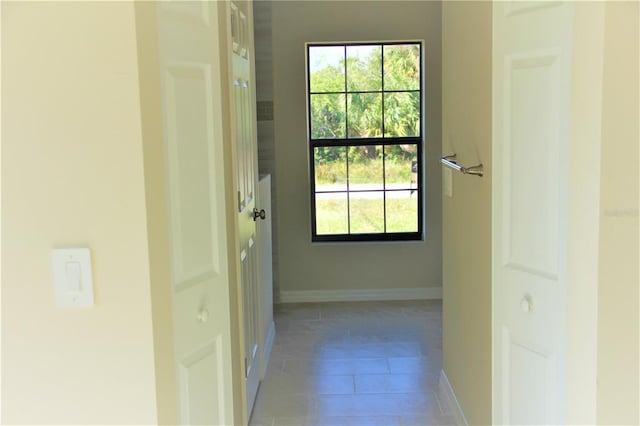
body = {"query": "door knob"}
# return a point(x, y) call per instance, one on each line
point(526, 304)
point(259, 214)
point(203, 316)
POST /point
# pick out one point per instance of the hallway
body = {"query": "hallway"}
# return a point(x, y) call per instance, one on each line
point(356, 363)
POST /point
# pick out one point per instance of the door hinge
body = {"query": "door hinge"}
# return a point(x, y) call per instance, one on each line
point(246, 367)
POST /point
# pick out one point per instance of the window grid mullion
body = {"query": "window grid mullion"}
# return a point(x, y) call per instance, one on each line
point(384, 174)
point(365, 141)
point(346, 96)
point(384, 133)
point(346, 134)
point(384, 192)
point(366, 92)
point(348, 193)
point(366, 190)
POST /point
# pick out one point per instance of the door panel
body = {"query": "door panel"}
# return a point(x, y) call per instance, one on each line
point(245, 146)
point(531, 165)
point(200, 376)
point(531, 117)
point(529, 395)
point(190, 184)
point(191, 103)
point(248, 257)
point(240, 135)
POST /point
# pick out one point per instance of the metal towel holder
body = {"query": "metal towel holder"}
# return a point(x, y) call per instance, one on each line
point(449, 161)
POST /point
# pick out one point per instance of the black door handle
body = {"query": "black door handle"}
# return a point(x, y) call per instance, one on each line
point(259, 214)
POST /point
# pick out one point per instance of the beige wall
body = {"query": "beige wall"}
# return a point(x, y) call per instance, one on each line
point(306, 266)
point(466, 131)
point(72, 175)
point(618, 319)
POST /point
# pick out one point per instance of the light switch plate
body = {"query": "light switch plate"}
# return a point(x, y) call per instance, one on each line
point(72, 277)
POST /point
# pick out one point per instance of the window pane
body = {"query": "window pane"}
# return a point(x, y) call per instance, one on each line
point(402, 114)
point(402, 67)
point(364, 68)
point(328, 116)
point(366, 212)
point(330, 168)
point(365, 168)
point(401, 166)
point(402, 211)
point(332, 214)
point(326, 69)
point(365, 115)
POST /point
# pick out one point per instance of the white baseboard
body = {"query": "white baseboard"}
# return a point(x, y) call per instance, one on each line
point(360, 295)
point(448, 397)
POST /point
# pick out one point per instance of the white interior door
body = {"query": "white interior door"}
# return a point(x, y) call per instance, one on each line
point(531, 122)
point(244, 138)
point(191, 98)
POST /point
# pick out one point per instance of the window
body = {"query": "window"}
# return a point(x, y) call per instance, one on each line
point(365, 141)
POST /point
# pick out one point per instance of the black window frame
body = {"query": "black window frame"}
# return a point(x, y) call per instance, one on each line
point(347, 142)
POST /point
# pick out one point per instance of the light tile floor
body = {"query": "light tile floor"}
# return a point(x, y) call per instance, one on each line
point(355, 364)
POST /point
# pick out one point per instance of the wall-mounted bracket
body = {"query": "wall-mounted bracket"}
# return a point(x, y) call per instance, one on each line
point(449, 161)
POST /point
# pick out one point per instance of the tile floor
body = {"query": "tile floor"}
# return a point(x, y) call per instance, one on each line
point(356, 363)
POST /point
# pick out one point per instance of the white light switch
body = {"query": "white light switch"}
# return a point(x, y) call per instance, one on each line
point(72, 277)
